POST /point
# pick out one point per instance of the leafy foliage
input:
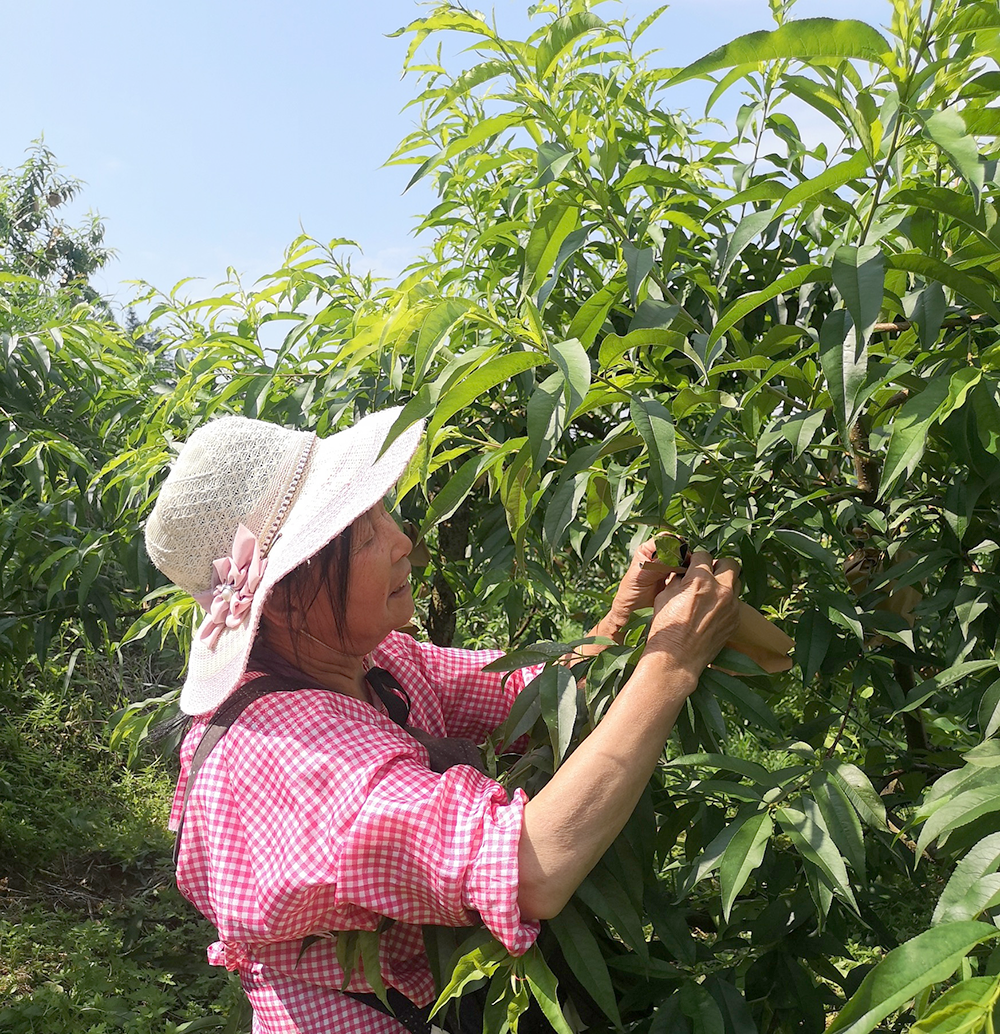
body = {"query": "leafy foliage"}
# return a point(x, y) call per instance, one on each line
point(784, 350)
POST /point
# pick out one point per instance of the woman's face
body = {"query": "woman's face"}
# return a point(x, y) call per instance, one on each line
point(378, 593)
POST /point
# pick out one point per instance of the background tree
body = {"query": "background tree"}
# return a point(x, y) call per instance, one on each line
point(34, 240)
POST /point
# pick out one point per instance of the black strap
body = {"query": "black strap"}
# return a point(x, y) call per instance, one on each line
point(395, 699)
point(219, 725)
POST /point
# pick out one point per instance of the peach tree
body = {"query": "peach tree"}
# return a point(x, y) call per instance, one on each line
point(779, 344)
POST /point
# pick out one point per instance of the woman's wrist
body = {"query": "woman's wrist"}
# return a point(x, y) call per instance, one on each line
point(613, 623)
point(663, 653)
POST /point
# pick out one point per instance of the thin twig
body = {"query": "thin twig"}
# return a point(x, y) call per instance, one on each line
point(899, 325)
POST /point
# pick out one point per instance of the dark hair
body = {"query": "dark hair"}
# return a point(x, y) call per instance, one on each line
point(333, 564)
point(329, 569)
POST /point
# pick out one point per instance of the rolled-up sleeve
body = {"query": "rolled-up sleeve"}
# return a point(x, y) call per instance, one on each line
point(437, 849)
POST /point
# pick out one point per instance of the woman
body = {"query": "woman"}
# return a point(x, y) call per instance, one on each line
point(344, 789)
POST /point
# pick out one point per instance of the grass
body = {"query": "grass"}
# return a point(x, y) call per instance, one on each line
point(94, 936)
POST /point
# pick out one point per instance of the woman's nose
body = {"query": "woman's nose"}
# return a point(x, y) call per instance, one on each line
point(402, 545)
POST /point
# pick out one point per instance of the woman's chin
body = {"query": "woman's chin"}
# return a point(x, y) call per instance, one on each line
point(403, 607)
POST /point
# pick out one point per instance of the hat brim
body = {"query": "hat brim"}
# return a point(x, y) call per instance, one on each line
point(345, 477)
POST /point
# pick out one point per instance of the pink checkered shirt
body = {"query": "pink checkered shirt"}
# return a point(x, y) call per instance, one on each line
point(316, 813)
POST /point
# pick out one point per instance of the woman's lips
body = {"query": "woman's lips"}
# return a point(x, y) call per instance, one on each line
point(404, 586)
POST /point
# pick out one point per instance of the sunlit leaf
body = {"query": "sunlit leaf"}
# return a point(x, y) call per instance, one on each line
point(813, 39)
point(925, 960)
point(744, 853)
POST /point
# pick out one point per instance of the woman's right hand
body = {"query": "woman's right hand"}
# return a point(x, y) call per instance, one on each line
point(575, 817)
point(695, 614)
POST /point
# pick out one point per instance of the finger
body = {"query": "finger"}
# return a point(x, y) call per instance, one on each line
point(656, 565)
point(701, 562)
point(672, 587)
point(648, 557)
point(728, 572)
point(647, 551)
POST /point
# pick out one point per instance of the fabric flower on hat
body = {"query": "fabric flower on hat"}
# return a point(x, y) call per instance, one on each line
point(234, 581)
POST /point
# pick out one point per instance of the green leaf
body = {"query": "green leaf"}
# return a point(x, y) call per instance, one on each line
point(948, 677)
point(859, 791)
point(947, 130)
point(546, 417)
point(954, 204)
point(859, 276)
point(653, 422)
point(590, 317)
point(711, 857)
point(989, 711)
point(574, 364)
point(436, 326)
point(471, 969)
point(638, 265)
point(973, 885)
point(986, 406)
point(606, 898)
point(573, 243)
point(960, 384)
point(471, 387)
point(554, 224)
point(551, 160)
point(982, 121)
point(369, 940)
point(744, 853)
point(613, 347)
point(844, 357)
point(584, 957)
point(451, 496)
point(963, 1009)
point(842, 821)
point(480, 132)
point(787, 282)
point(562, 507)
point(934, 269)
point(909, 433)
point(829, 179)
point(928, 312)
point(975, 17)
point(471, 78)
point(560, 37)
point(964, 808)
point(733, 1006)
point(524, 713)
point(813, 636)
point(806, 545)
point(748, 228)
point(558, 699)
point(749, 769)
point(808, 39)
point(542, 982)
point(701, 1008)
point(925, 960)
point(809, 833)
point(750, 706)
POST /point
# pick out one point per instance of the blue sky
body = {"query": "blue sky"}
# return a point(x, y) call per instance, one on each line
point(208, 131)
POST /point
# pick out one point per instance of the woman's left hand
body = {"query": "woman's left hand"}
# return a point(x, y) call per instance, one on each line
point(642, 582)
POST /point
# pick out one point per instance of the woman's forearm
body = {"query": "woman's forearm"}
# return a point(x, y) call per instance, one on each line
point(585, 805)
point(576, 816)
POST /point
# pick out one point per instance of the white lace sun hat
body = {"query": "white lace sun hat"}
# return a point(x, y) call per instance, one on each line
point(245, 503)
